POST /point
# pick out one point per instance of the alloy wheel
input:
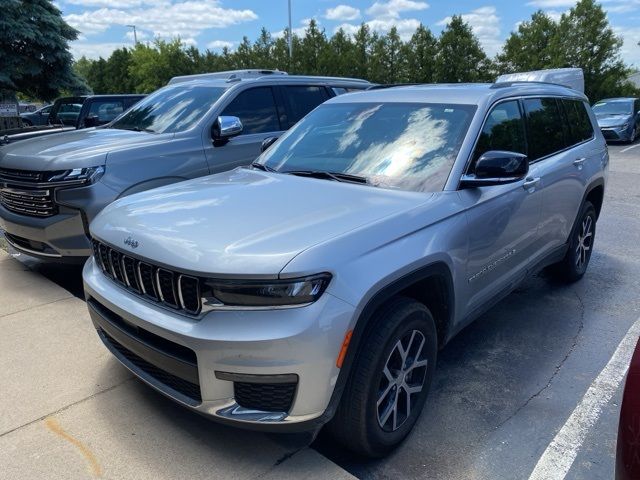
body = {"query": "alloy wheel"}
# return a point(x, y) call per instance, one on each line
point(402, 381)
point(585, 241)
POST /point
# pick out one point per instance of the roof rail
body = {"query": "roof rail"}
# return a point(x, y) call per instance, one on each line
point(381, 86)
point(229, 75)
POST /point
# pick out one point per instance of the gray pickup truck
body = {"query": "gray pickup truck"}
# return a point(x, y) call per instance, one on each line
point(52, 187)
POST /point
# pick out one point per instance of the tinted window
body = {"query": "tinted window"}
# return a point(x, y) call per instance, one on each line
point(107, 110)
point(544, 127)
point(303, 99)
point(256, 109)
point(503, 130)
point(408, 146)
point(171, 109)
point(578, 120)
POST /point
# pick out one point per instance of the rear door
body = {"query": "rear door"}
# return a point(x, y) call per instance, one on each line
point(301, 99)
point(503, 219)
point(261, 118)
point(560, 142)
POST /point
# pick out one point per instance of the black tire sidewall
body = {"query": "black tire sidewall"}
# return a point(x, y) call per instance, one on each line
point(573, 272)
point(380, 440)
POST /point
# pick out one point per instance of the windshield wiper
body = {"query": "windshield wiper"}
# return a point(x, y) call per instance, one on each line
point(263, 167)
point(337, 176)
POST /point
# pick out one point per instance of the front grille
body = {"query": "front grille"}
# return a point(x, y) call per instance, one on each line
point(180, 385)
point(266, 397)
point(16, 195)
point(171, 289)
point(610, 135)
point(34, 202)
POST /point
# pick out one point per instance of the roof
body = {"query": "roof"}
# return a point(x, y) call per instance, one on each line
point(617, 99)
point(458, 93)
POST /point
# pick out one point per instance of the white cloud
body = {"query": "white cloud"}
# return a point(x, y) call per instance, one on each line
point(393, 8)
point(555, 15)
point(184, 19)
point(342, 13)
point(94, 50)
point(485, 24)
point(142, 35)
point(219, 44)
point(299, 31)
point(630, 50)
point(552, 3)
point(116, 3)
point(406, 26)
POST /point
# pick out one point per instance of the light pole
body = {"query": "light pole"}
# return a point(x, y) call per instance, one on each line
point(290, 35)
point(135, 34)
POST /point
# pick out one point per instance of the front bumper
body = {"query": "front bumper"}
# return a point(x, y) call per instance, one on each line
point(617, 134)
point(63, 237)
point(223, 353)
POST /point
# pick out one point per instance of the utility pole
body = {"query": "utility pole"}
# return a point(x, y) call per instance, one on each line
point(290, 36)
point(135, 34)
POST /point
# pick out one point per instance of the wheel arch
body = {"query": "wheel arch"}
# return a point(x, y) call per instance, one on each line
point(440, 298)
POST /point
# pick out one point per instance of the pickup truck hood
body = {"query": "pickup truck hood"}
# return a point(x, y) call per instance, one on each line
point(605, 121)
point(75, 149)
point(242, 222)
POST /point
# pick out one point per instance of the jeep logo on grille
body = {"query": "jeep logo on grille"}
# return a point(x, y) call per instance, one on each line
point(131, 242)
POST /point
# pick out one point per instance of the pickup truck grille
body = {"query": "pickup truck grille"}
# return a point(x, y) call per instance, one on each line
point(16, 195)
point(28, 201)
point(166, 287)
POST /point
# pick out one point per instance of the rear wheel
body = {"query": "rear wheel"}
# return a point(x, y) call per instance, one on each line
point(27, 123)
point(389, 381)
point(575, 263)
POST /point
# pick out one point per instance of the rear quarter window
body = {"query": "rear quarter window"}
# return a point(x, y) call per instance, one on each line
point(545, 133)
point(579, 122)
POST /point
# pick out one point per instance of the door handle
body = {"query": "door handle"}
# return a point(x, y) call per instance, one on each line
point(530, 183)
point(578, 163)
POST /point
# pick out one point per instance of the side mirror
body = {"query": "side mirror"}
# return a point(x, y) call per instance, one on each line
point(267, 142)
point(91, 121)
point(497, 167)
point(226, 127)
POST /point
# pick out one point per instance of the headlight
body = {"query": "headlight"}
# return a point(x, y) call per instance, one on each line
point(264, 293)
point(624, 127)
point(77, 175)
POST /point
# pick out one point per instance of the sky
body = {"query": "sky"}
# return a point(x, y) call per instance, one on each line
point(214, 24)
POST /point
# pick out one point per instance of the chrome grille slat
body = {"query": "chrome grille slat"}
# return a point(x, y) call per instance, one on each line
point(160, 285)
point(27, 196)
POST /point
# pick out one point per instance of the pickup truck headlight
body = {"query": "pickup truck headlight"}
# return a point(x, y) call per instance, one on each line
point(264, 293)
point(78, 175)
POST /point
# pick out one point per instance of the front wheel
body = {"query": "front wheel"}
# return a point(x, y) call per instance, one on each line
point(634, 134)
point(389, 381)
point(574, 265)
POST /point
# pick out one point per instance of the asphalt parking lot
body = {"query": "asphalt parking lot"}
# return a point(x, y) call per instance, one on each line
point(504, 387)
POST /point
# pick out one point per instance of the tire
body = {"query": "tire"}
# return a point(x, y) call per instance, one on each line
point(360, 424)
point(27, 123)
point(574, 265)
point(634, 134)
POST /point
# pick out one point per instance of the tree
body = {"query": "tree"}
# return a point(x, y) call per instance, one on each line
point(116, 73)
point(310, 56)
point(341, 54)
point(420, 53)
point(361, 46)
point(585, 39)
point(152, 66)
point(530, 47)
point(460, 57)
point(34, 48)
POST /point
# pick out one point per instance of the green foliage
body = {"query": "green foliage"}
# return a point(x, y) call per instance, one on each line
point(460, 57)
point(34, 50)
point(581, 38)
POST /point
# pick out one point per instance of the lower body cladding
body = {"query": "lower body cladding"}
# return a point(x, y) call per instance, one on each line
point(262, 369)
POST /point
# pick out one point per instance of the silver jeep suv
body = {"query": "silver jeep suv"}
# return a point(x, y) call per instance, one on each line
point(318, 285)
point(52, 187)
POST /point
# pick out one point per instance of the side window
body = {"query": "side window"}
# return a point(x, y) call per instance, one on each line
point(503, 130)
point(256, 109)
point(580, 127)
point(302, 99)
point(106, 111)
point(545, 133)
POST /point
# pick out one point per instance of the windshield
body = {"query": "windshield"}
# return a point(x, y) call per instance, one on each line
point(172, 109)
point(408, 146)
point(613, 108)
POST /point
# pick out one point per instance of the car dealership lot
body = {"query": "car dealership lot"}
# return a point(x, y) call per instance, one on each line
point(503, 388)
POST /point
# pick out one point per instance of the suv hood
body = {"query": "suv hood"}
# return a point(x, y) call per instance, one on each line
point(76, 149)
point(242, 222)
point(612, 120)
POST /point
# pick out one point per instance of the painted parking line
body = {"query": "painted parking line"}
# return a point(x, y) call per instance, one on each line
point(555, 462)
point(629, 148)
